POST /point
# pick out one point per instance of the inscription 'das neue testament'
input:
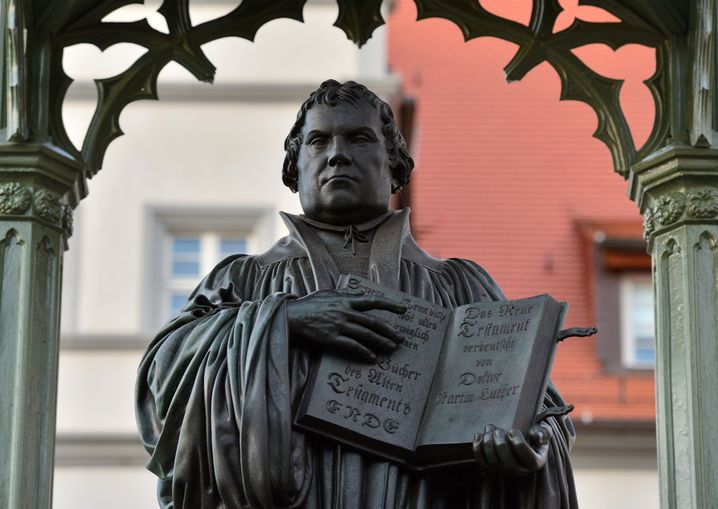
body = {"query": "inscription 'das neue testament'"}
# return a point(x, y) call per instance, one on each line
point(491, 338)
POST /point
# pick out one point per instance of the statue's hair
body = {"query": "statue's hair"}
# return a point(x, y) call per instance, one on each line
point(331, 93)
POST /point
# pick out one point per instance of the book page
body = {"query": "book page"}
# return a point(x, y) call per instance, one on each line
point(489, 369)
point(381, 401)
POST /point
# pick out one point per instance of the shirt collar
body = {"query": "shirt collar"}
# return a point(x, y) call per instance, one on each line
point(361, 227)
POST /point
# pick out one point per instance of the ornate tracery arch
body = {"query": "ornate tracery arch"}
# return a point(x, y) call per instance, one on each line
point(672, 177)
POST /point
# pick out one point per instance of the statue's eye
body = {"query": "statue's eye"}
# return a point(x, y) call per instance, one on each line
point(317, 141)
point(362, 138)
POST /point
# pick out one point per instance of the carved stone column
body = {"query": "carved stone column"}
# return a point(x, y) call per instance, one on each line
point(677, 192)
point(37, 193)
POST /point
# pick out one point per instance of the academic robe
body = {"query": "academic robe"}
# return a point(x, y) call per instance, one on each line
point(218, 388)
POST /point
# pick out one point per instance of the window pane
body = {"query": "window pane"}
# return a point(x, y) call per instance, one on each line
point(185, 245)
point(641, 319)
point(177, 300)
point(232, 246)
point(645, 355)
point(185, 269)
point(185, 257)
point(643, 313)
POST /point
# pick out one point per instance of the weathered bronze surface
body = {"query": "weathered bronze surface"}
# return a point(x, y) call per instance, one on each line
point(219, 386)
point(454, 372)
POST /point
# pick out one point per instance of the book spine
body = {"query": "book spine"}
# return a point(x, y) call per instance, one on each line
point(438, 367)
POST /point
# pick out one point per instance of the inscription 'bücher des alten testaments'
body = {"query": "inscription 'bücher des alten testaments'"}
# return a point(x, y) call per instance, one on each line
point(455, 372)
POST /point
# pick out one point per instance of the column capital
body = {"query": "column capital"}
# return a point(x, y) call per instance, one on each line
point(40, 183)
point(675, 186)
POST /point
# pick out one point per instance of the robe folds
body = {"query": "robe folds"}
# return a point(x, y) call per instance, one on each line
point(219, 386)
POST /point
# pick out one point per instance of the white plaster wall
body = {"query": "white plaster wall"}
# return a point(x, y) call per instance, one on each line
point(104, 487)
point(617, 489)
point(283, 50)
point(174, 154)
point(95, 392)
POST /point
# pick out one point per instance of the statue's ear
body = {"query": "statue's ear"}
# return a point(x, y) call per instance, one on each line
point(396, 184)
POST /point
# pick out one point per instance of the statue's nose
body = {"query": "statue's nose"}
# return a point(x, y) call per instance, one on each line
point(339, 152)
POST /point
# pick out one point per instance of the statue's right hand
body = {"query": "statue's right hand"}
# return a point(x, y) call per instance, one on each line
point(334, 320)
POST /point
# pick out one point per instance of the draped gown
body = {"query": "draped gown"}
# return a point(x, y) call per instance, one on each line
point(218, 388)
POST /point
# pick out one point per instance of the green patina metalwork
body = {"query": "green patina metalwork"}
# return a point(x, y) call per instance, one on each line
point(63, 24)
point(677, 191)
point(35, 222)
point(673, 178)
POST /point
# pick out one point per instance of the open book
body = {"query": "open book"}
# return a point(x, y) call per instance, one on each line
point(455, 372)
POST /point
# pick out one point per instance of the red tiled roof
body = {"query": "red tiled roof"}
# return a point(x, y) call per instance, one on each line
point(505, 173)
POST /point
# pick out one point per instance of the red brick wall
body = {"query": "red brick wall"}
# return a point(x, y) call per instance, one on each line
point(506, 171)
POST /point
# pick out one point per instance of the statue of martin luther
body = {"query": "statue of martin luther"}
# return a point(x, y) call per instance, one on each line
point(218, 387)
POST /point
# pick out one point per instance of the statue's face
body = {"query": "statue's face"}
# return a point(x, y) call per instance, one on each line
point(343, 166)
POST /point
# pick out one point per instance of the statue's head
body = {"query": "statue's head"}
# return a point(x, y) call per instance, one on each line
point(345, 154)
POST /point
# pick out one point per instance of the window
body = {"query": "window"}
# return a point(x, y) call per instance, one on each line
point(637, 321)
point(188, 258)
point(619, 272)
point(184, 243)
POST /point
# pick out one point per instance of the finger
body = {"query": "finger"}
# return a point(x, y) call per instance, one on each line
point(479, 453)
point(349, 346)
point(507, 460)
point(489, 447)
point(527, 457)
point(377, 325)
point(367, 337)
point(369, 302)
point(483, 461)
point(539, 435)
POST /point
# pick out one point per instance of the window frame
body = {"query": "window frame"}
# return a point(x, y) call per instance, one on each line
point(614, 250)
point(255, 225)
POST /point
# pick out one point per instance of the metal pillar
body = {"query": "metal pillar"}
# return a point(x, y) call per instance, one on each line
point(677, 191)
point(35, 221)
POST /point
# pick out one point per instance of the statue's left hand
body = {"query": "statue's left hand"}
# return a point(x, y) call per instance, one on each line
point(508, 453)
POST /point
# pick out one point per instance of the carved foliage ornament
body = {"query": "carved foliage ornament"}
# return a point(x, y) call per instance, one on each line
point(670, 207)
point(649, 223)
point(47, 205)
point(701, 203)
point(16, 200)
point(72, 23)
point(67, 222)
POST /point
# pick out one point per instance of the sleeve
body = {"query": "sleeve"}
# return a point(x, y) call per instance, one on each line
point(214, 400)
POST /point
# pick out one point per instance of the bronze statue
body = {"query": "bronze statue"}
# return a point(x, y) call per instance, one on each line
point(219, 385)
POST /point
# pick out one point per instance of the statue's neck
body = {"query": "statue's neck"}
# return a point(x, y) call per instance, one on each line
point(349, 246)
